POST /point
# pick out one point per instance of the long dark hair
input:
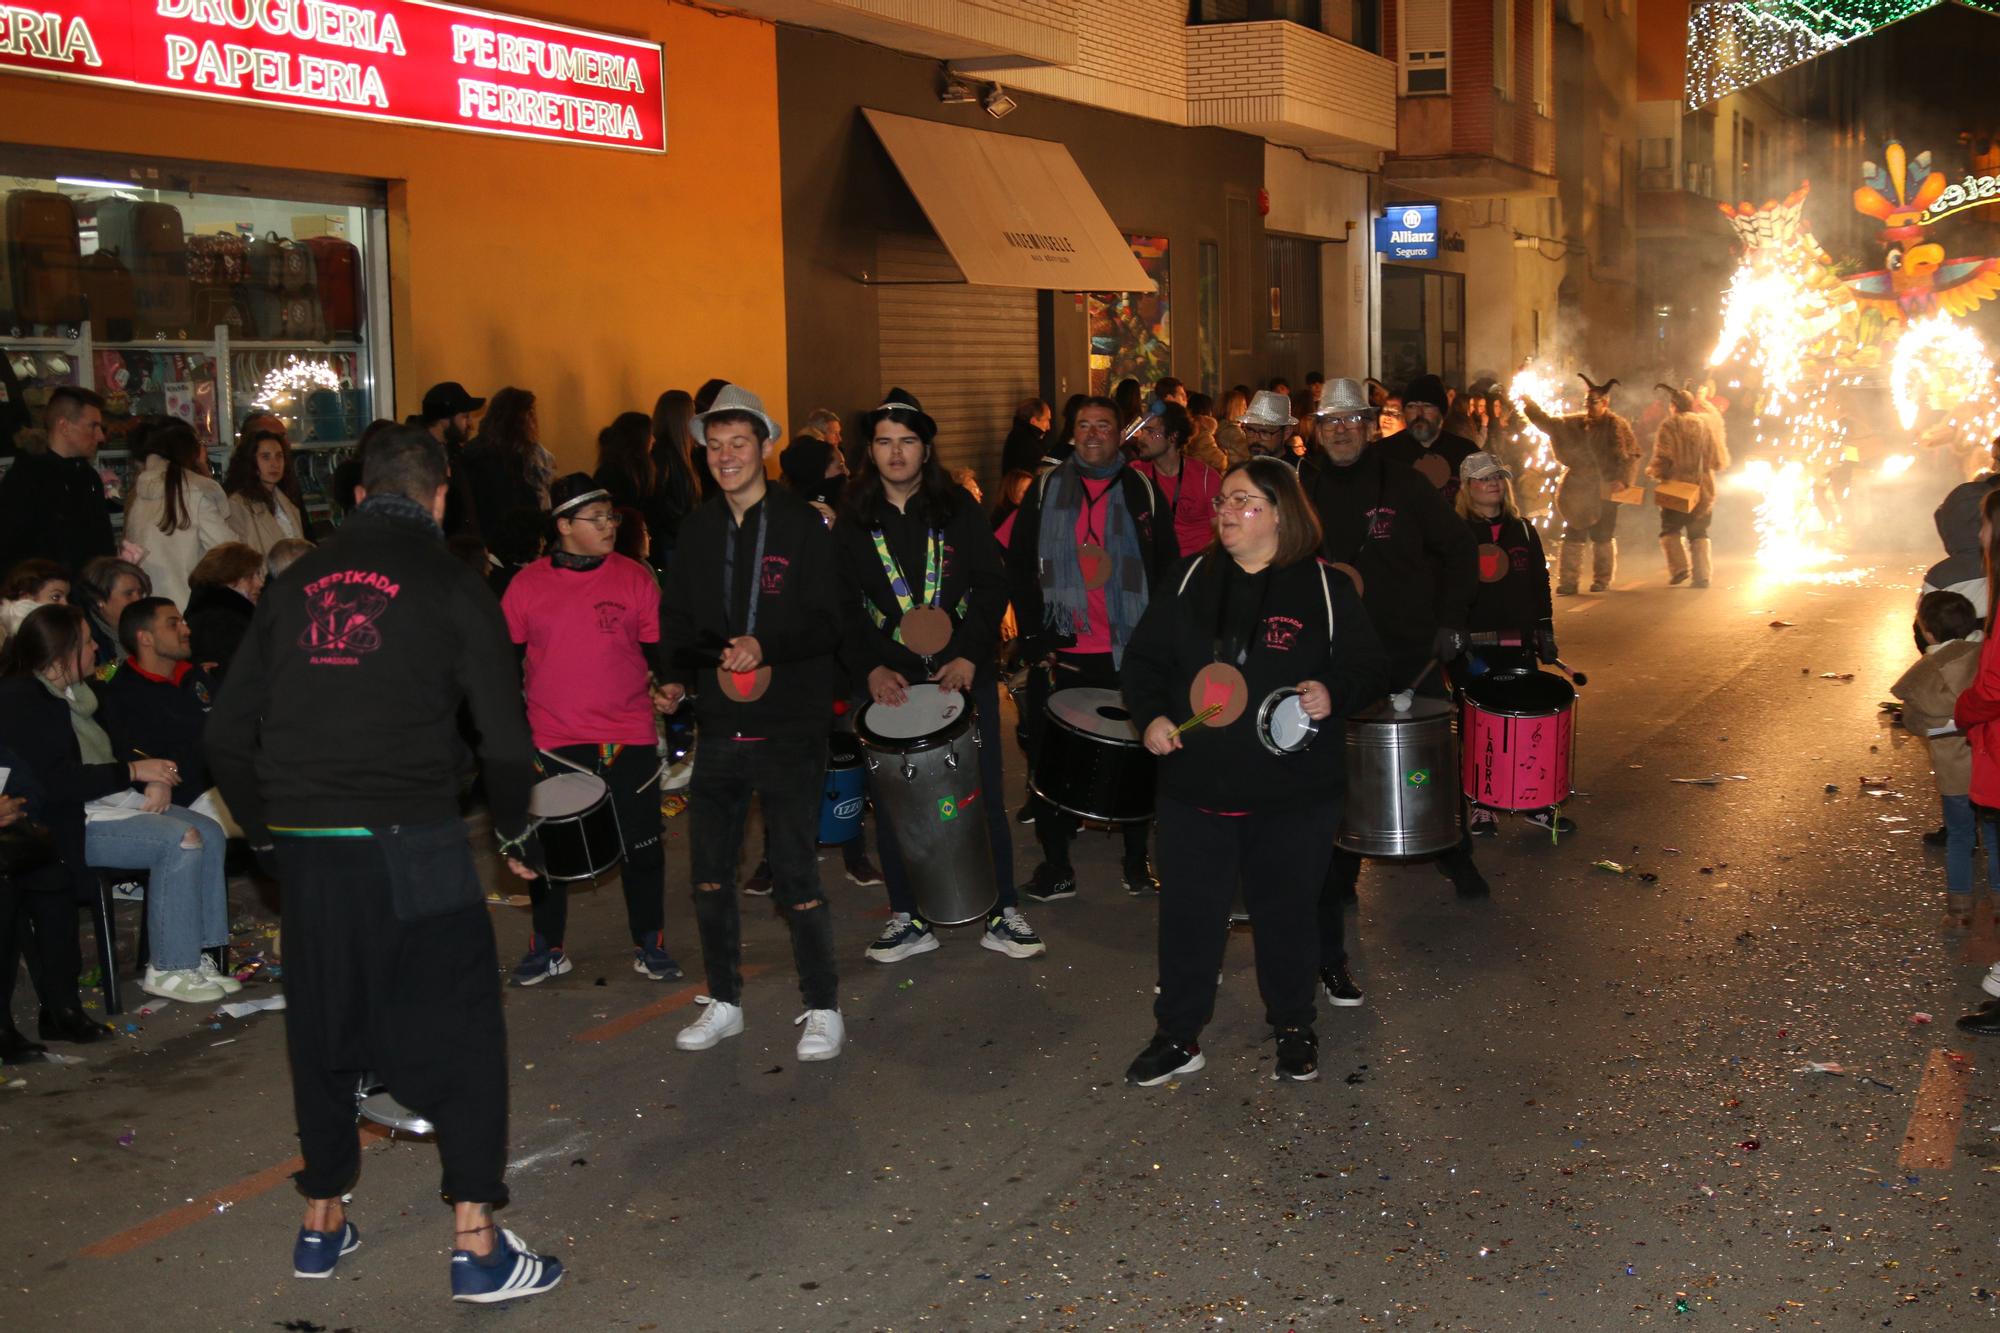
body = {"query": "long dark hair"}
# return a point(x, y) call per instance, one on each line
point(241, 476)
point(174, 440)
point(936, 491)
point(52, 633)
point(504, 428)
point(1989, 513)
point(622, 453)
point(673, 414)
point(1299, 535)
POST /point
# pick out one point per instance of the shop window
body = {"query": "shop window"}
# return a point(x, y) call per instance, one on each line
point(1423, 324)
point(1130, 336)
point(183, 291)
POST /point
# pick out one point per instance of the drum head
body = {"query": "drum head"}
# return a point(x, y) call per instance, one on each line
point(1282, 722)
point(1521, 693)
point(565, 795)
point(1095, 712)
point(924, 715)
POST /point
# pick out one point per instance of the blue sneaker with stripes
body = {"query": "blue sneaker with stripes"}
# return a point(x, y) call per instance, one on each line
point(506, 1274)
point(315, 1253)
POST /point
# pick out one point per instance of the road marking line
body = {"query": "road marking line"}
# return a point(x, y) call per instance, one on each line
point(666, 1004)
point(1932, 1137)
point(176, 1219)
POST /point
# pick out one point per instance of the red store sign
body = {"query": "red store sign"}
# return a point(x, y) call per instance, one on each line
point(411, 61)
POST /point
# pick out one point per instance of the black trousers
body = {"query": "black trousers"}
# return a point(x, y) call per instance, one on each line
point(633, 776)
point(1279, 858)
point(1056, 829)
point(38, 924)
point(788, 775)
point(416, 1002)
point(999, 837)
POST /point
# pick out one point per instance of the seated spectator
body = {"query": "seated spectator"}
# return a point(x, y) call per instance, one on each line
point(30, 584)
point(104, 813)
point(174, 509)
point(265, 503)
point(227, 584)
point(104, 589)
point(281, 556)
point(155, 700)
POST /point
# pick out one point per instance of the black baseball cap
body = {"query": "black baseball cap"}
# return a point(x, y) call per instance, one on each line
point(448, 400)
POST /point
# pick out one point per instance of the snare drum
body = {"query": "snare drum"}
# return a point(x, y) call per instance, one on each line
point(923, 768)
point(1519, 739)
point(573, 817)
point(1093, 763)
point(1282, 723)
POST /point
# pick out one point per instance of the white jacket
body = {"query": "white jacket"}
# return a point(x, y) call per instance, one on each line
point(172, 556)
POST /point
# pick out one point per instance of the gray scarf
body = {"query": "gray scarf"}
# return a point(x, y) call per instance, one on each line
point(92, 744)
point(1065, 601)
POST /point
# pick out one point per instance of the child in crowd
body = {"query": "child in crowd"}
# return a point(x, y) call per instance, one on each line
point(1949, 628)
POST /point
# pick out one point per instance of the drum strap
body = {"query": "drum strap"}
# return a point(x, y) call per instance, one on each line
point(756, 572)
point(899, 583)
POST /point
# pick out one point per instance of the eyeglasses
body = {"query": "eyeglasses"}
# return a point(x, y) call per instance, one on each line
point(602, 522)
point(1239, 502)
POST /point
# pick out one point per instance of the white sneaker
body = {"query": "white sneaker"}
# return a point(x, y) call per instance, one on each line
point(1990, 983)
point(824, 1034)
point(215, 976)
point(182, 983)
point(720, 1019)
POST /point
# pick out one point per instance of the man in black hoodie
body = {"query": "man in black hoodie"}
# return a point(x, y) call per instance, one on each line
point(337, 748)
point(753, 620)
point(1418, 569)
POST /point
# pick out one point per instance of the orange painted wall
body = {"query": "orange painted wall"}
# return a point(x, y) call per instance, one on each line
point(595, 278)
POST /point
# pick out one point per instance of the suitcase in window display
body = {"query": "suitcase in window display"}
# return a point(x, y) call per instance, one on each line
point(44, 258)
point(148, 236)
point(110, 294)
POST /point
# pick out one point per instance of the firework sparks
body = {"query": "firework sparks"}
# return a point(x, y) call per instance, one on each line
point(1540, 385)
point(1938, 365)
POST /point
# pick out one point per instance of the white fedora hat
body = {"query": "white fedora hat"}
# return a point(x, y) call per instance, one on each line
point(1342, 398)
point(1268, 408)
point(736, 398)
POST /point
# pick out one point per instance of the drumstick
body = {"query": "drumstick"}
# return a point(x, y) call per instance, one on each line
point(1195, 721)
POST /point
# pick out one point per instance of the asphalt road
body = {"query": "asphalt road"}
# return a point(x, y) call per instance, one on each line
point(1579, 1105)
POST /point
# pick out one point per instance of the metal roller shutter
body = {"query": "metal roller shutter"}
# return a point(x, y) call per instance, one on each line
point(969, 353)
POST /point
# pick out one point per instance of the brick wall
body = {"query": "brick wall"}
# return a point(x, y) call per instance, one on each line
point(1131, 57)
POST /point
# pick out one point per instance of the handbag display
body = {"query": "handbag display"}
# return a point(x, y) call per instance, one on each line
point(44, 257)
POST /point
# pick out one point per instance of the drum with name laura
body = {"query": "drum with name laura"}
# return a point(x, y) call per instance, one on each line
point(577, 825)
point(1093, 762)
point(1517, 739)
point(922, 757)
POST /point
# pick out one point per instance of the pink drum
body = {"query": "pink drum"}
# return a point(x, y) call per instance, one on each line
point(1517, 739)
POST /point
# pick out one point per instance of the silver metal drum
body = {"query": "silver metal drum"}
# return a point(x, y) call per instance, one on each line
point(1402, 788)
point(923, 772)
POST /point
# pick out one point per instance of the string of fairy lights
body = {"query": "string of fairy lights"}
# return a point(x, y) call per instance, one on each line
point(1735, 43)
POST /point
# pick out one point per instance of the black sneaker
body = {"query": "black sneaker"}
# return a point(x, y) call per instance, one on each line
point(1550, 820)
point(1140, 879)
point(1298, 1055)
point(1049, 884)
point(863, 872)
point(1161, 1060)
point(1481, 822)
point(759, 883)
point(1026, 814)
point(1338, 987)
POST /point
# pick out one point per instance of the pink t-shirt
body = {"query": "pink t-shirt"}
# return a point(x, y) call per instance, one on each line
point(1190, 498)
point(1090, 520)
point(586, 678)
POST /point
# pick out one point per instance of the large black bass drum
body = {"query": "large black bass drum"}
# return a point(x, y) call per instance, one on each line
point(1093, 763)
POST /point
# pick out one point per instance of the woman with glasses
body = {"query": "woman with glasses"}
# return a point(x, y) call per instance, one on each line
point(589, 620)
point(1254, 618)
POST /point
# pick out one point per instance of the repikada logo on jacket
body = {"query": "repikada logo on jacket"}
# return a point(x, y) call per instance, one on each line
point(341, 614)
point(772, 578)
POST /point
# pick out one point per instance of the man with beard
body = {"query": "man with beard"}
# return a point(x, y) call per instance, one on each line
point(1424, 443)
point(1187, 486)
point(1417, 568)
point(1267, 426)
point(1600, 453)
point(447, 415)
point(1089, 540)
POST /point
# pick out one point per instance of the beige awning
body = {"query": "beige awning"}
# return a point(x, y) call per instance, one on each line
point(1014, 212)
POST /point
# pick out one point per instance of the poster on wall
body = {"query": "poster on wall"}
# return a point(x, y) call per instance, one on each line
point(1129, 334)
